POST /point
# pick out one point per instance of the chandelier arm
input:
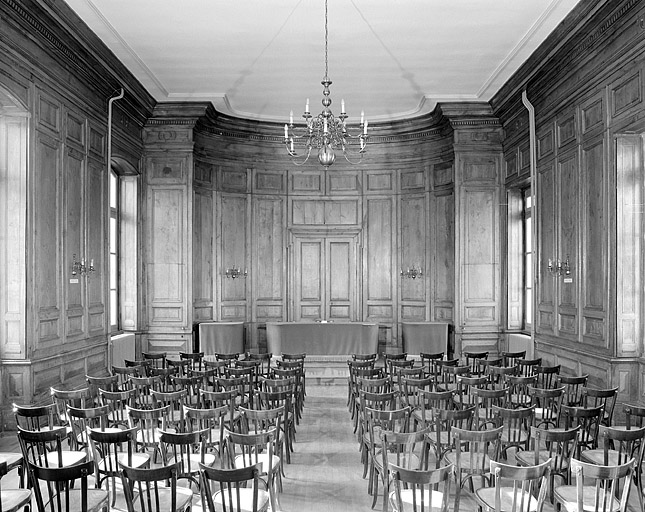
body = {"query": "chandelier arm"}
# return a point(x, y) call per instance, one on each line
point(357, 162)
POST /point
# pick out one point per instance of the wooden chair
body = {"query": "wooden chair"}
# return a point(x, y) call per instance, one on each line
point(272, 400)
point(234, 490)
point(485, 400)
point(188, 451)
point(215, 399)
point(156, 489)
point(510, 358)
point(109, 448)
point(589, 420)
point(407, 450)
point(441, 438)
point(175, 400)
point(55, 489)
point(518, 394)
point(547, 403)
point(559, 446)
point(547, 376)
point(265, 362)
point(143, 387)
point(213, 421)
point(420, 490)
point(448, 377)
point(498, 376)
point(117, 401)
point(429, 362)
point(157, 360)
point(45, 448)
point(618, 446)
point(603, 491)
point(364, 357)
point(429, 401)
point(528, 367)
point(573, 388)
point(61, 398)
point(191, 384)
point(592, 397)
point(15, 460)
point(35, 417)
point(109, 383)
point(473, 451)
point(165, 375)
point(195, 360)
point(125, 372)
point(473, 360)
point(409, 390)
point(517, 424)
point(634, 416)
point(466, 386)
point(12, 500)
point(82, 419)
point(246, 450)
point(150, 424)
point(516, 489)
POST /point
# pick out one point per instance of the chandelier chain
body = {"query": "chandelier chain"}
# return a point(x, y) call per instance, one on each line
point(326, 38)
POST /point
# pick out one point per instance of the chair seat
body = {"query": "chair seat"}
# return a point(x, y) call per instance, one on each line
point(196, 458)
point(139, 460)
point(14, 499)
point(246, 501)
point(184, 499)
point(97, 499)
point(13, 459)
point(486, 495)
point(413, 461)
point(597, 457)
point(566, 495)
point(465, 460)
point(407, 496)
point(70, 458)
point(263, 458)
point(528, 459)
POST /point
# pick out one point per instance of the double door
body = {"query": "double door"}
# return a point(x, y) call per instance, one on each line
point(324, 272)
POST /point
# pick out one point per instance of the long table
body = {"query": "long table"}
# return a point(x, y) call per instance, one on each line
point(428, 337)
point(315, 338)
point(221, 337)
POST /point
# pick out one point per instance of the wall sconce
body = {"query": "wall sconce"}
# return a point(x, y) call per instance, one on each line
point(412, 273)
point(235, 272)
point(79, 267)
point(558, 268)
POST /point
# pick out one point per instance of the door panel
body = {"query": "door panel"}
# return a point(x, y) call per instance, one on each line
point(324, 278)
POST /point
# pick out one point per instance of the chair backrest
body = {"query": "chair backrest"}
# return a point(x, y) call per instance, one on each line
point(474, 449)
point(157, 360)
point(57, 488)
point(517, 426)
point(592, 397)
point(573, 388)
point(264, 359)
point(301, 356)
point(187, 449)
point(195, 359)
point(519, 395)
point(212, 420)
point(634, 416)
point(547, 376)
point(510, 358)
point(607, 494)
point(466, 386)
point(251, 449)
point(429, 360)
point(36, 445)
point(473, 359)
point(110, 383)
point(528, 367)
point(35, 417)
point(61, 398)
point(117, 402)
point(498, 375)
point(151, 490)
point(82, 419)
point(444, 420)
point(409, 389)
point(558, 445)
point(165, 377)
point(364, 357)
point(405, 449)
point(431, 400)
point(236, 486)
point(547, 402)
point(589, 420)
point(520, 489)
point(485, 400)
point(176, 401)
point(421, 490)
point(623, 444)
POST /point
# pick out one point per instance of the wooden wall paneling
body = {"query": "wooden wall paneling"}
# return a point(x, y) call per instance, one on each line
point(344, 183)
point(233, 229)
point(269, 258)
point(629, 244)
point(478, 235)
point(96, 249)
point(412, 251)
point(341, 268)
point(442, 247)
point(309, 278)
point(568, 225)
point(74, 226)
point(379, 182)
point(306, 182)
point(546, 248)
point(46, 239)
point(379, 259)
point(595, 228)
point(13, 218)
point(203, 251)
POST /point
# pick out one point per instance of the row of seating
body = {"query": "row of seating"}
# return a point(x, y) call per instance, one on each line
point(406, 414)
point(249, 427)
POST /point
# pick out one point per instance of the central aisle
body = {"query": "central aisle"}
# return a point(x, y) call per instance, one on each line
point(325, 473)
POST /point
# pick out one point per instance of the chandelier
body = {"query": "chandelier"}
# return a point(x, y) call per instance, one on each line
point(324, 132)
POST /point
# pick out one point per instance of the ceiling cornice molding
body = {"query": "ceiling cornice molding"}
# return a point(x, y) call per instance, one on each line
point(567, 43)
point(56, 29)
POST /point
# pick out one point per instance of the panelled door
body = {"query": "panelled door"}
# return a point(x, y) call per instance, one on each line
point(324, 278)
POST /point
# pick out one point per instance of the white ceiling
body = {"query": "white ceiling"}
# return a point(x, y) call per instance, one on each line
point(263, 58)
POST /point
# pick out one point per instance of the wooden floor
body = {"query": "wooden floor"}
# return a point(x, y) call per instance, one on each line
point(325, 473)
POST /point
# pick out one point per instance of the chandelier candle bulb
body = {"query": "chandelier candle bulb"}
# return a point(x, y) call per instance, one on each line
point(365, 128)
point(307, 106)
point(291, 118)
point(342, 106)
point(286, 131)
point(362, 116)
